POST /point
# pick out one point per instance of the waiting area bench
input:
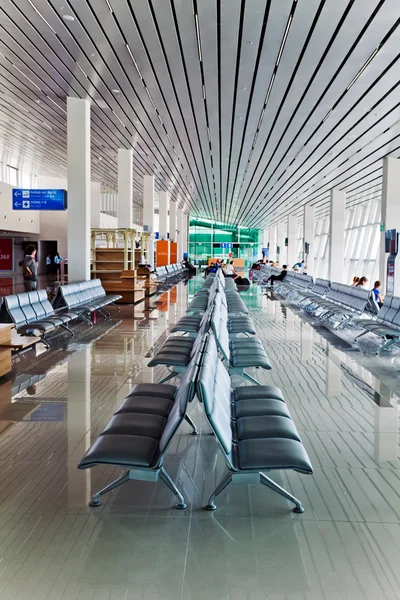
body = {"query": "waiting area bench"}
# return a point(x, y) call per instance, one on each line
point(31, 312)
point(386, 325)
point(84, 298)
point(253, 427)
point(138, 435)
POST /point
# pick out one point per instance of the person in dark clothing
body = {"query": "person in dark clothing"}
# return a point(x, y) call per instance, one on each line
point(279, 277)
point(30, 269)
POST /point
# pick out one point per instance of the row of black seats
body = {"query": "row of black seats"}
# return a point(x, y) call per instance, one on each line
point(252, 425)
point(170, 273)
point(240, 353)
point(32, 313)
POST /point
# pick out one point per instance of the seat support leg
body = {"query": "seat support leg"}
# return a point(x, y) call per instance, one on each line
point(281, 491)
point(45, 342)
point(169, 483)
point(65, 326)
point(168, 377)
point(250, 378)
point(220, 488)
point(192, 424)
point(95, 498)
point(386, 345)
point(85, 318)
point(116, 306)
point(361, 334)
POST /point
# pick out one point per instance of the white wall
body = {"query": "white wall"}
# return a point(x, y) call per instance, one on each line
point(19, 221)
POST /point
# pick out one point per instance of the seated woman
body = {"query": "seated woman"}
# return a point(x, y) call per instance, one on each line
point(377, 293)
point(355, 281)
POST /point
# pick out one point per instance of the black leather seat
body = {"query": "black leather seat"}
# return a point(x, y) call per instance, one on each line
point(265, 438)
point(139, 433)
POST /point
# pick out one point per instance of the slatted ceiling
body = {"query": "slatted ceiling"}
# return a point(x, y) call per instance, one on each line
point(209, 147)
point(336, 84)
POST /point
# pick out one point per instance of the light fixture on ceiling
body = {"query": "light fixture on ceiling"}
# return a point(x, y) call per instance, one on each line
point(249, 43)
point(68, 18)
point(115, 91)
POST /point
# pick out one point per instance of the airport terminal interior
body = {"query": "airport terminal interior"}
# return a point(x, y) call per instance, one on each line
point(199, 300)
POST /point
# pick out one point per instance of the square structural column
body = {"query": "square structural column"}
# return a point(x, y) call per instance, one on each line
point(125, 188)
point(308, 237)
point(272, 242)
point(180, 234)
point(185, 231)
point(78, 159)
point(163, 215)
point(390, 216)
point(281, 242)
point(148, 215)
point(292, 241)
point(173, 224)
point(336, 235)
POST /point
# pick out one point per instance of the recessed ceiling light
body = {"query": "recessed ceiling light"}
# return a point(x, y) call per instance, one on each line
point(68, 18)
point(250, 43)
point(115, 91)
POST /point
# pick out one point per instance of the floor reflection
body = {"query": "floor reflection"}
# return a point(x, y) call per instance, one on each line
point(345, 405)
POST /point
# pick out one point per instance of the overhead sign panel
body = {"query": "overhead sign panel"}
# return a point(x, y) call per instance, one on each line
point(39, 199)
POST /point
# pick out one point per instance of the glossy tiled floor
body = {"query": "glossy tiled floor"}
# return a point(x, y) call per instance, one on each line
point(136, 546)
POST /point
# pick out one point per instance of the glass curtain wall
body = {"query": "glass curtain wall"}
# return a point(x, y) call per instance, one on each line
point(216, 240)
point(361, 243)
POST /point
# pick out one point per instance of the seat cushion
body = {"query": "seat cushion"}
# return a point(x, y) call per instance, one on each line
point(124, 450)
point(268, 426)
point(161, 390)
point(249, 358)
point(43, 326)
point(253, 392)
point(146, 405)
point(170, 358)
point(273, 453)
point(260, 407)
point(147, 425)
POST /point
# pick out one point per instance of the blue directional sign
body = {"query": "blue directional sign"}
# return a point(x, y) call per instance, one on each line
point(39, 199)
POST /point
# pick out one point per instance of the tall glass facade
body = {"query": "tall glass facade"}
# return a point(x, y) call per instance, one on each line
point(208, 239)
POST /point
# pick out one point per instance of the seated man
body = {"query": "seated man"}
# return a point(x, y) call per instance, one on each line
point(279, 277)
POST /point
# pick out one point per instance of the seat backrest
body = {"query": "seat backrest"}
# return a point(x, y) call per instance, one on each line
point(214, 390)
point(44, 301)
point(184, 395)
point(34, 300)
point(13, 309)
point(26, 307)
point(220, 330)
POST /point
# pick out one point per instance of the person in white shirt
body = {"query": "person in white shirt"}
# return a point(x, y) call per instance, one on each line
point(230, 271)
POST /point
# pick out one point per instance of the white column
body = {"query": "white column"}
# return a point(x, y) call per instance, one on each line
point(172, 221)
point(336, 235)
point(148, 215)
point(125, 188)
point(281, 242)
point(163, 215)
point(292, 241)
point(390, 215)
point(180, 234)
point(78, 157)
point(308, 234)
point(185, 228)
point(272, 242)
point(265, 238)
point(95, 199)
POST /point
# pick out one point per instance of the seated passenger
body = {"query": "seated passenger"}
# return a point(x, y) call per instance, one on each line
point(355, 281)
point(213, 268)
point(230, 271)
point(362, 282)
point(279, 277)
point(377, 293)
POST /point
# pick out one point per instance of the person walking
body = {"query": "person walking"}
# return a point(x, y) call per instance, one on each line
point(57, 261)
point(30, 269)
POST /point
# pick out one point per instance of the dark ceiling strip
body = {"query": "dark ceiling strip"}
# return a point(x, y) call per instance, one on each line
point(363, 31)
point(179, 40)
point(189, 141)
point(252, 88)
point(290, 83)
point(235, 91)
point(178, 175)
